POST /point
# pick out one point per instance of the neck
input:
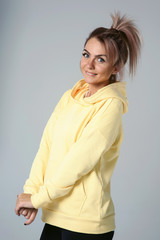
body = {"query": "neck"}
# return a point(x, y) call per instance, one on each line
point(90, 93)
point(93, 89)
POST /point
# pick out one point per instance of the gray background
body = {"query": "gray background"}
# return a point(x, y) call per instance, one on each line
point(40, 49)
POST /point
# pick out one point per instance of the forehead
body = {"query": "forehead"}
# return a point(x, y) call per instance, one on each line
point(94, 46)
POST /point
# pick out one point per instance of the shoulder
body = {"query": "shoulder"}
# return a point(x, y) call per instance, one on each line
point(113, 104)
point(65, 97)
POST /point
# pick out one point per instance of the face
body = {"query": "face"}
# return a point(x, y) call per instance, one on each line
point(95, 65)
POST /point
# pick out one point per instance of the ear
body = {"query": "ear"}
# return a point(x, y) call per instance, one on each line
point(116, 69)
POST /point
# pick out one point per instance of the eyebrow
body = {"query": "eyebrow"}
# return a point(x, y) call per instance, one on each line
point(99, 55)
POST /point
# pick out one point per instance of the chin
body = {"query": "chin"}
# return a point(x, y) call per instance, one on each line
point(89, 79)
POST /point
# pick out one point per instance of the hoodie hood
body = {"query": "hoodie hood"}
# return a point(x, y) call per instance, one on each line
point(114, 90)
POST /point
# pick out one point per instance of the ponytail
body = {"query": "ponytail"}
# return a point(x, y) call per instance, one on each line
point(131, 37)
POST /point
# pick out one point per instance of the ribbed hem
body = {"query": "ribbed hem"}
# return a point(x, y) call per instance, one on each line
point(78, 224)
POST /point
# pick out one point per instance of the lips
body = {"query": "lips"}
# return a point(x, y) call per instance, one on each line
point(90, 73)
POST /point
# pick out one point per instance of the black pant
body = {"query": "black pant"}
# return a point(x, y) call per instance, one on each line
point(55, 233)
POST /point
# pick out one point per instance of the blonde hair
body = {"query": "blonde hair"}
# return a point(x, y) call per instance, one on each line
point(122, 41)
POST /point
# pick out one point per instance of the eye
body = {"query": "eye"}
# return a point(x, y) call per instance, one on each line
point(101, 60)
point(85, 55)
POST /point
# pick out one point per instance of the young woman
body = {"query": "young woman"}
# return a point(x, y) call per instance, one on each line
point(71, 173)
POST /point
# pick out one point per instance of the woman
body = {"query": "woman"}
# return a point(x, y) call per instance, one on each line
point(71, 173)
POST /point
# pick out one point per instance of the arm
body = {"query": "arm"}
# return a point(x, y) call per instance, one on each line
point(37, 172)
point(97, 138)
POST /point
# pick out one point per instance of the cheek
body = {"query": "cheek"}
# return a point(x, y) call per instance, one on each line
point(101, 70)
point(105, 71)
point(82, 64)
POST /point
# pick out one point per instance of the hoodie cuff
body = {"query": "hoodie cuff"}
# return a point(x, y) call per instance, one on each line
point(41, 198)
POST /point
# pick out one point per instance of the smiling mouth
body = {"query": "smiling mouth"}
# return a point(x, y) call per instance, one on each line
point(90, 74)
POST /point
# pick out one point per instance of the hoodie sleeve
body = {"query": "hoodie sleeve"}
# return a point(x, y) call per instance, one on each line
point(97, 138)
point(36, 176)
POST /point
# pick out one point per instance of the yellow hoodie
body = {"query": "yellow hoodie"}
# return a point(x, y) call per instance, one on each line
point(71, 173)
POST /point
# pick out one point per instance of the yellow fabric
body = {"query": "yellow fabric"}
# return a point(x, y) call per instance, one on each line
point(71, 173)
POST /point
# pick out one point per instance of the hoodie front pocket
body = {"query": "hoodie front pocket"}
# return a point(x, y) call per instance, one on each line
point(71, 203)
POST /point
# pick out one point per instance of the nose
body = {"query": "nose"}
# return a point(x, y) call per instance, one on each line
point(90, 63)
